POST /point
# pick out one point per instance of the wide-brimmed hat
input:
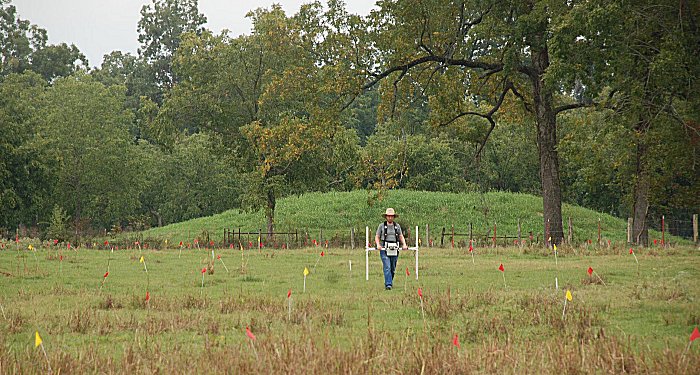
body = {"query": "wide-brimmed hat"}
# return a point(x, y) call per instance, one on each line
point(390, 211)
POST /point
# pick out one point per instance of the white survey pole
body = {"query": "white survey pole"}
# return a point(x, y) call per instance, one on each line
point(416, 252)
point(366, 253)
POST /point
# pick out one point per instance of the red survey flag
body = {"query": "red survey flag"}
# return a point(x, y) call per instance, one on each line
point(695, 334)
point(322, 253)
point(249, 334)
point(148, 296)
point(180, 243)
point(420, 293)
point(289, 293)
point(106, 243)
point(500, 268)
point(106, 274)
point(61, 258)
point(590, 271)
point(455, 341)
point(218, 256)
point(204, 270)
point(631, 251)
point(407, 273)
point(471, 248)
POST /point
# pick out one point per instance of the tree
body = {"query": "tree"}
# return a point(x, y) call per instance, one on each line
point(23, 47)
point(23, 176)
point(648, 62)
point(473, 58)
point(192, 180)
point(83, 134)
point(658, 72)
point(270, 99)
point(59, 60)
point(18, 40)
point(162, 24)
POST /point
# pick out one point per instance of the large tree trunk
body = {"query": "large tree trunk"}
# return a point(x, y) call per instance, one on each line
point(547, 147)
point(270, 213)
point(640, 229)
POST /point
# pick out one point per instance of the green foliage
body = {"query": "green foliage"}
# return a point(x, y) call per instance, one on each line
point(509, 161)
point(597, 168)
point(18, 40)
point(59, 60)
point(23, 47)
point(58, 225)
point(162, 24)
point(83, 135)
point(195, 179)
point(23, 178)
point(337, 212)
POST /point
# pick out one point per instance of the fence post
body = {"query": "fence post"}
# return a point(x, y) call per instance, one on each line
point(442, 238)
point(352, 238)
point(598, 231)
point(452, 240)
point(427, 235)
point(471, 237)
point(663, 232)
point(571, 231)
point(494, 234)
point(520, 240)
point(695, 228)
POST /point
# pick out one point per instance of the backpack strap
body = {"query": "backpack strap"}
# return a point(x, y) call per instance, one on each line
point(384, 229)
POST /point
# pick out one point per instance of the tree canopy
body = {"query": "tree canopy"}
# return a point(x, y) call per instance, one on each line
point(590, 102)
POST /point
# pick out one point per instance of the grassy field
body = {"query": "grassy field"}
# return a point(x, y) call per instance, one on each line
point(336, 213)
point(638, 321)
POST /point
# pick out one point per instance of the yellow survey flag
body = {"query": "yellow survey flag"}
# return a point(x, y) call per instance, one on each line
point(306, 271)
point(555, 247)
point(37, 339)
point(30, 247)
point(141, 260)
point(568, 295)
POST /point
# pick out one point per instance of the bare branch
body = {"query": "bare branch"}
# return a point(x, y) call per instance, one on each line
point(567, 107)
point(472, 64)
point(508, 86)
point(396, 91)
point(520, 96)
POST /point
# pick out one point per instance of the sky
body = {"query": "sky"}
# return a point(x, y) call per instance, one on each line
point(98, 27)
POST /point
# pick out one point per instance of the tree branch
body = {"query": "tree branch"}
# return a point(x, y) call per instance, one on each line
point(567, 107)
point(520, 96)
point(488, 116)
point(472, 64)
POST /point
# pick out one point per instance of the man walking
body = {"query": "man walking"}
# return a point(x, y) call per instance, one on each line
point(387, 239)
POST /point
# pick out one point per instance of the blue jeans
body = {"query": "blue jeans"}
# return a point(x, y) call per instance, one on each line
point(389, 265)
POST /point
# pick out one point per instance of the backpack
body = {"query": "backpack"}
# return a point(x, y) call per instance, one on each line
point(397, 232)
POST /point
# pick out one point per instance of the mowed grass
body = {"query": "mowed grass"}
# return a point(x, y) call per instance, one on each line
point(638, 322)
point(336, 212)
